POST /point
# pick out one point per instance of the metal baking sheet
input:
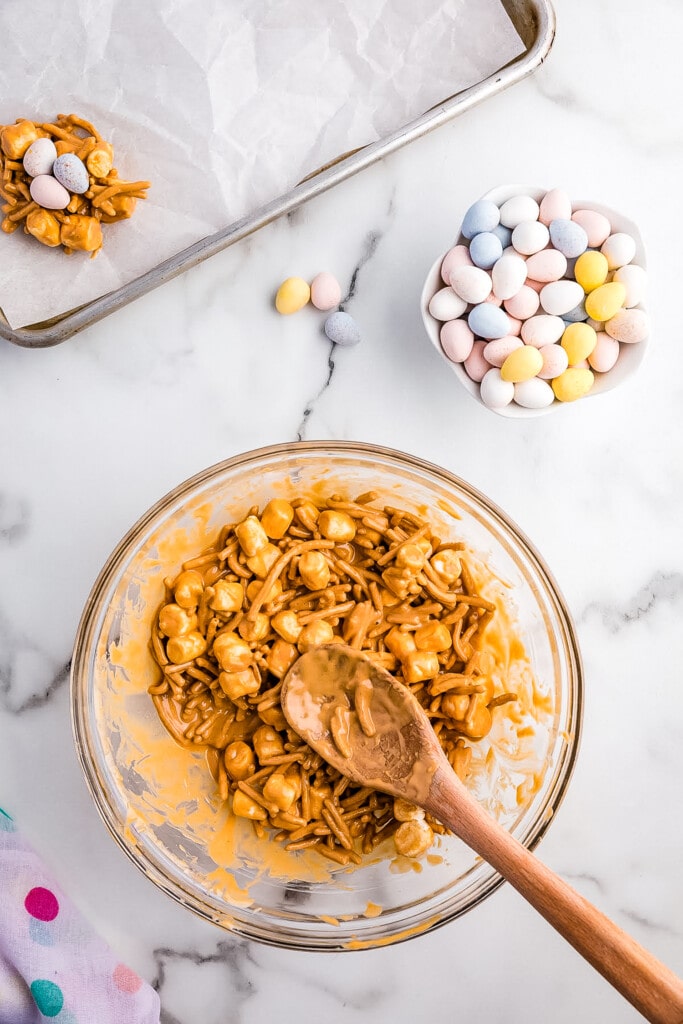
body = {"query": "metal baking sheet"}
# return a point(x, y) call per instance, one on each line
point(534, 21)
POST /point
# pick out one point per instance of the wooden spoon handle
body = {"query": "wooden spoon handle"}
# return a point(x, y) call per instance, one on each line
point(648, 984)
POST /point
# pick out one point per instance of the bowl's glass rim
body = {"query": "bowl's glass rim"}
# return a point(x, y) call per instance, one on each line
point(328, 939)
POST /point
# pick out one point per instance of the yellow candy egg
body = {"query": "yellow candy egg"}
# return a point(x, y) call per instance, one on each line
point(522, 364)
point(578, 341)
point(590, 270)
point(572, 384)
point(606, 301)
point(293, 294)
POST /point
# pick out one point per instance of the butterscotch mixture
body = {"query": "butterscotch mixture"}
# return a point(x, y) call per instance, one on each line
point(286, 580)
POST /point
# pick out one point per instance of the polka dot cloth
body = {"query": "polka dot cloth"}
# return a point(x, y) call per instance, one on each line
point(50, 960)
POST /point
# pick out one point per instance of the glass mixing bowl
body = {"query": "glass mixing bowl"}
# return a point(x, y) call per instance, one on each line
point(159, 800)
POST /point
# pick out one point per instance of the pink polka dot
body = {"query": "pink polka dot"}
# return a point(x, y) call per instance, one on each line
point(126, 980)
point(42, 904)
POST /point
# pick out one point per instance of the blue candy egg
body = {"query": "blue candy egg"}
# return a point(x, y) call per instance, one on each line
point(569, 237)
point(71, 172)
point(576, 314)
point(481, 216)
point(342, 329)
point(503, 234)
point(488, 321)
point(485, 250)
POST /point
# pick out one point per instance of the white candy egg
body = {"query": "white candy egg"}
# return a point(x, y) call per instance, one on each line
point(508, 274)
point(39, 157)
point(561, 296)
point(534, 394)
point(48, 193)
point(634, 280)
point(495, 392)
point(542, 330)
point(619, 250)
point(530, 236)
point(517, 210)
point(471, 283)
point(445, 305)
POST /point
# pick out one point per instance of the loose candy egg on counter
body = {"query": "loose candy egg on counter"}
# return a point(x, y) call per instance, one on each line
point(590, 270)
point(487, 321)
point(578, 341)
point(629, 326)
point(568, 236)
point(555, 361)
point(508, 275)
point(446, 305)
point(471, 283)
point(530, 237)
point(517, 210)
point(595, 224)
point(495, 392)
point(560, 297)
point(325, 291)
point(485, 249)
point(605, 354)
point(39, 157)
point(497, 351)
point(483, 215)
point(534, 394)
point(292, 295)
point(546, 266)
point(476, 365)
point(71, 172)
point(605, 301)
point(458, 256)
point(542, 329)
point(47, 192)
point(342, 329)
point(522, 364)
point(619, 250)
point(524, 304)
point(574, 383)
point(555, 205)
point(457, 340)
point(634, 280)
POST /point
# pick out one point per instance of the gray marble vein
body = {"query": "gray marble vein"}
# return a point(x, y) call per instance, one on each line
point(661, 588)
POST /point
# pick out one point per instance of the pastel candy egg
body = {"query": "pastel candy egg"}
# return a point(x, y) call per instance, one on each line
point(39, 157)
point(458, 256)
point(537, 286)
point(487, 321)
point(555, 205)
point(597, 325)
point(456, 340)
point(595, 224)
point(629, 326)
point(517, 210)
point(559, 297)
point(292, 295)
point(568, 236)
point(534, 394)
point(522, 364)
point(325, 291)
point(574, 383)
point(71, 172)
point(471, 284)
point(495, 392)
point(446, 305)
point(571, 266)
point(515, 328)
point(476, 365)
point(342, 329)
point(578, 341)
point(497, 351)
point(575, 314)
point(503, 234)
point(555, 361)
point(524, 304)
point(485, 249)
point(47, 192)
point(619, 250)
point(508, 274)
point(511, 251)
point(493, 299)
point(483, 215)
point(547, 265)
point(529, 237)
point(605, 354)
point(590, 270)
point(542, 330)
point(605, 301)
point(634, 280)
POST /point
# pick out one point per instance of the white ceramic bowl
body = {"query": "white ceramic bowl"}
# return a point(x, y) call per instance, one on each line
point(630, 356)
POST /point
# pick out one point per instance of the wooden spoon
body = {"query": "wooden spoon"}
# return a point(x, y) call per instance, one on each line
point(326, 697)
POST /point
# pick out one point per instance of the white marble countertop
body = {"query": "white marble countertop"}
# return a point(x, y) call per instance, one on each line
point(95, 430)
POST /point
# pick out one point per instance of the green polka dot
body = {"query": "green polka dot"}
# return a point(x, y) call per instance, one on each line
point(48, 997)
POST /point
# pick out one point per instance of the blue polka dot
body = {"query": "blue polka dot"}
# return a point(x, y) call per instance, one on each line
point(41, 932)
point(48, 997)
point(6, 823)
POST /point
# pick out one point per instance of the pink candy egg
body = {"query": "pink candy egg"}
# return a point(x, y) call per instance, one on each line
point(514, 326)
point(458, 256)
point(629, 326)
point(325, 291)
point(555, 205)
point(546, 266)
point(48, 193)
point(605, 354)
point(456, 340)
point(494, 300)
point(596, 226)
point(496, 352)
point(537, 286)
point(555, 361)
point(476, 365)
point(524, 304)
point(542, 330)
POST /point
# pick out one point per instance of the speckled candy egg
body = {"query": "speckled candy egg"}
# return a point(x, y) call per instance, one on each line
point(325, 291)
point(48, 193)
point(524, 304)
point(546, 266)
point(568, 236)
point(542, 330)
point(342, 329)
point(529, 237)
point(39, 157)
point(476, 365)
point(555, 361)
point(595, 224)
point(555, 205)
point(483, 215)
point(497, 351)
point(72, 173)
point(628, 326)
point(485, 250)
point(471, 283)
point(605, 354)
point(560, 297)
point(458, 256)
point(457, 340)
point(488, 321)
